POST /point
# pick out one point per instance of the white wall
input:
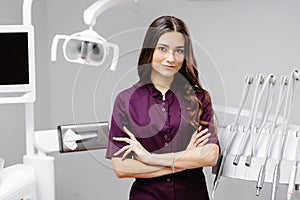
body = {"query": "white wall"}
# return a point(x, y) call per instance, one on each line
point(232, 38)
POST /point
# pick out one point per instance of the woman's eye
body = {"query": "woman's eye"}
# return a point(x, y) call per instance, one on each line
point(179, 51)
point(163, 49)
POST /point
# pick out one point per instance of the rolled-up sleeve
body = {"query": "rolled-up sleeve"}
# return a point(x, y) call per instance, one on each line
point(208, 118)
point(118, 120)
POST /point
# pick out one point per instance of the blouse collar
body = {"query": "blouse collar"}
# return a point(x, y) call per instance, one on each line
point(153, 91)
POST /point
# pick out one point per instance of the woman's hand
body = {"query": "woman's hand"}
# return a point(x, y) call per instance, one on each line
point(199, 138)
point(134, 146)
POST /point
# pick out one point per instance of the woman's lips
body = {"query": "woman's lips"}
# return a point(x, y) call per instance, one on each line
point(169, 66)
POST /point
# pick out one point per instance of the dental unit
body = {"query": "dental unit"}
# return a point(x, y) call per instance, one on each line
point(272, 139)
point(255, 136)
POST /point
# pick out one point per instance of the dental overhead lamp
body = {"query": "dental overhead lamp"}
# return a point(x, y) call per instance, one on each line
point(88, 47)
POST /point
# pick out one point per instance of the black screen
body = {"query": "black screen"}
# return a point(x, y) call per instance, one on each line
point(14, 63)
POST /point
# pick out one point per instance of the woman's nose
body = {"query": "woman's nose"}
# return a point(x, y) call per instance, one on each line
point(170, 56)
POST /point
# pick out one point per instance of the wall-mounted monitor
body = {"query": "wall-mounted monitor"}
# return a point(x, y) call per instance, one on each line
point(17, 65)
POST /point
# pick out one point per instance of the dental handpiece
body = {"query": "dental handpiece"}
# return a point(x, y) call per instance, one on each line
point(294, 170)
point(276, 174)
point(262, 171)
point(276, 177)
point(292, 181)
point(261, 179)
point(261, 176)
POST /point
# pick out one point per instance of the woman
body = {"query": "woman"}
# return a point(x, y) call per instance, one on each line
point(162, 130)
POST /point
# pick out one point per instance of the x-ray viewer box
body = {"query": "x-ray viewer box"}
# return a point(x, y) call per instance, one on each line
point(94, 136)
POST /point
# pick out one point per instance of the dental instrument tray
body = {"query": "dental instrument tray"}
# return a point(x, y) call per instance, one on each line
point(83, 137)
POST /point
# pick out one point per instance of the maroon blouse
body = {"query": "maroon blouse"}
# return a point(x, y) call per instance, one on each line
point(161, 126)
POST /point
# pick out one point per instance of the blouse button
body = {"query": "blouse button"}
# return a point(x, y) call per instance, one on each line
point(168, 180)
point(167, 137)
point(166, 144)
point(163, 109)
point(163, 103)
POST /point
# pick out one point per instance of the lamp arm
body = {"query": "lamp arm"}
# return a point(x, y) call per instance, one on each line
point(54, 45)
point(27, 4)
point(92, 12)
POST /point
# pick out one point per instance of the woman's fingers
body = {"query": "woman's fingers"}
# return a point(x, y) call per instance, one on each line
point(123, 139)
point(202, 139)
point(195, 139)
point(124, 148)
point(126, 153)
point(127, 149)
point(197, 131)
point(203, 142)
point(199, 128)
point(200, 134)
point(134, 146)
point(195, 134)
point(128, 132)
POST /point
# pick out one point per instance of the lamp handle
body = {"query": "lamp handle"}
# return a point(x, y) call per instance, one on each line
point(114, 63)
point(54, 45)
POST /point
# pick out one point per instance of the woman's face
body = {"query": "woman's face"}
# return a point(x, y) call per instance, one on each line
point(168, 55)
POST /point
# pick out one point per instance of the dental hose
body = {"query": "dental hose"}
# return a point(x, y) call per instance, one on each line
point(297, 156)
point(268, 83)
point(266, 113)
point(287, 115)
point(233, 130)
point(262, 171)
point(241, 148)
point(294, 171)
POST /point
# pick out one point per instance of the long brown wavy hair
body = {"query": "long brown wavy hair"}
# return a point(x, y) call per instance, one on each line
point(188, 70)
